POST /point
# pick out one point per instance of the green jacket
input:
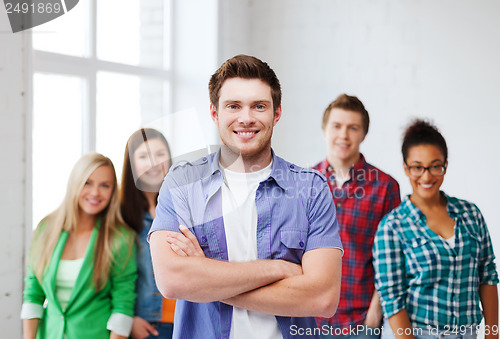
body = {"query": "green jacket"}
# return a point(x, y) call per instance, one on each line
point(88, 311)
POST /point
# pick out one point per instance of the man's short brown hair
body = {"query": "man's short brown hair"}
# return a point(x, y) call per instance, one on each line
point(348, 103)
point(246, 67)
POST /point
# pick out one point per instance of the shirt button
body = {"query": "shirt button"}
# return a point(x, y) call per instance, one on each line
point(292, 166)
point(339, 204)
point(204, 159)
point(204, 239)
point(62, 317)
point(301, 244)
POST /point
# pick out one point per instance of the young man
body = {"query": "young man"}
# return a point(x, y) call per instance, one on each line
point(261, 255)
point(363, 194)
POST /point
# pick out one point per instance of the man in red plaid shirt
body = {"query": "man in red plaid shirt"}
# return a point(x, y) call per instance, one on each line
point(363, 194)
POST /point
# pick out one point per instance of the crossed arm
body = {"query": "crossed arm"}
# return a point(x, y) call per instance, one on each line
point(312, 293)
point(269, 286)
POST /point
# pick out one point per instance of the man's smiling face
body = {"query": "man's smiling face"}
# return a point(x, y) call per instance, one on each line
point(245, 116)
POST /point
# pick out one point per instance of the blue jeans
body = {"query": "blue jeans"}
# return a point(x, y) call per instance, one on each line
point(357, 332)
point(421, 333)
point(165, 330)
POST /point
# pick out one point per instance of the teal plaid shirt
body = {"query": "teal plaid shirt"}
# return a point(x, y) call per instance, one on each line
point(417, 270)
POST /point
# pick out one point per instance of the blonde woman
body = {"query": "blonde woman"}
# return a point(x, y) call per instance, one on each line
point(82, 267)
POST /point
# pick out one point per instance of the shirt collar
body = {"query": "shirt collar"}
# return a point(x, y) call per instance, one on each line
point(416, 213)
point(214, 162)
point(215, 179)
point(453, 209)
point(361, 165)
point(279, 170)
point(411, 209)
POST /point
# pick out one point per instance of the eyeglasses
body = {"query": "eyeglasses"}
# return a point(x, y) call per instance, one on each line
point(434, 170)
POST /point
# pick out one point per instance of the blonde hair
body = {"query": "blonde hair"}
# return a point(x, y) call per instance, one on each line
point(65, 218)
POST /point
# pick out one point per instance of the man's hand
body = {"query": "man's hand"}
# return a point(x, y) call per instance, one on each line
point(374, 314)
point(185, 244)
point(142, 329)
point(291, 269)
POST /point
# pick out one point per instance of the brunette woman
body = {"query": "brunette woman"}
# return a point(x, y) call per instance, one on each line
point(147, 159)
point(433, 257)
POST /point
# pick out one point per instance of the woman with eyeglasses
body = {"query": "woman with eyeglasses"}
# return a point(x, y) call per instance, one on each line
point(433, 257)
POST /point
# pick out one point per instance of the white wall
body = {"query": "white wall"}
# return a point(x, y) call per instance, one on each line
point(195, 50)
point(14, 180)
point(434, 59)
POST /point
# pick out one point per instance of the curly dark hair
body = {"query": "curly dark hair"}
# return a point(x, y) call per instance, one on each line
point(422, 132)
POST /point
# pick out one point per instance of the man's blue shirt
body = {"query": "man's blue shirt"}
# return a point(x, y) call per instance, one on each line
point(295, 213)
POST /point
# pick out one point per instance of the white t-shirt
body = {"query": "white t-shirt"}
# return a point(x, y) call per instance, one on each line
point(451, 240)
point(67, 272)
point(240, 224)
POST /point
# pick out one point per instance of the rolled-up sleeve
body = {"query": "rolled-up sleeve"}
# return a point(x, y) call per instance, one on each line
point(488, 274)
point(389, 265)
point(123, 277)
point(121, 324)
point(33, 297)
point(31, 311)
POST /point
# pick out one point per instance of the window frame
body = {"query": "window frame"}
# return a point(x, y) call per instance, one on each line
point(87, 68)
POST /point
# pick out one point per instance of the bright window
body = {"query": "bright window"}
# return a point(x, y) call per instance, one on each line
point(101, 71)
point(57, 137)
point(69, 34)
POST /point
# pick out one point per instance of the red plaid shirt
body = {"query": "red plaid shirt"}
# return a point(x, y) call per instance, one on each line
point(361, 203)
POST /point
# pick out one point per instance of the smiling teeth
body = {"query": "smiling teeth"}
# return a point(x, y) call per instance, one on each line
point(426, 185)
point(246, 133)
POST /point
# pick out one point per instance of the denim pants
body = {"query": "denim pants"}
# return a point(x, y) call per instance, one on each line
point(421, 333)
point(165, 330)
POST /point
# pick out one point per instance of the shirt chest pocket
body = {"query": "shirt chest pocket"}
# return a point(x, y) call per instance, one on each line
point(471, 247)
point(207, 239)
point(293, 244)
point(423, 262)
